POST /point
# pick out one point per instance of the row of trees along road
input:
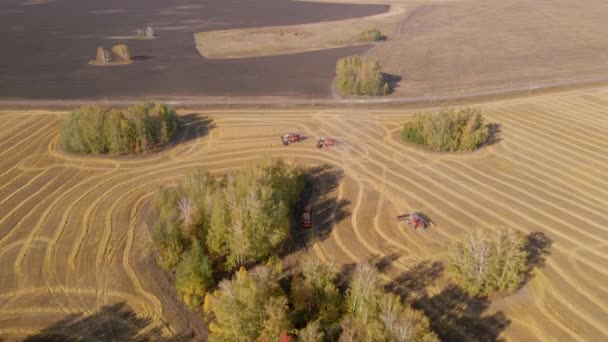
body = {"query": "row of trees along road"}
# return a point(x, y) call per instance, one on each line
point(96, 129)
point(252, 306)
point(449, 130)
point(244, 218)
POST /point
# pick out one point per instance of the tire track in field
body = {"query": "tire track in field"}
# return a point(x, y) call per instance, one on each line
point(559, 141)
point(542, 125)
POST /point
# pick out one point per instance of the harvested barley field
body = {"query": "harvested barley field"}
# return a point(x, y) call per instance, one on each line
point(76, 255)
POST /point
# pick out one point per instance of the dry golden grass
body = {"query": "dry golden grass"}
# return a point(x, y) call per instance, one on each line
point(279, 40)
point(73, 234)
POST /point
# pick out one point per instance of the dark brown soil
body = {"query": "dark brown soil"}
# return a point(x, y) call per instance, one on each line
point(46, 48)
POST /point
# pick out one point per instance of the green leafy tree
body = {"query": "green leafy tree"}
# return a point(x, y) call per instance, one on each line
point(370, 35)
point(509, 264)
point(360, 322)
point(239, 310)
point(470, 263)
point(314, 294)
point(448, 130)
point(194, 276)
point(251, 215)
point(277, 322)
point(95, 129)
point(356, 75)
point(481, 265)
point(71, 134)
point(311, 333)
point(373, 315)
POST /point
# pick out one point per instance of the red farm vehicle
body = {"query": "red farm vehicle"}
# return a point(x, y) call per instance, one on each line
point(327, 142)
point(307, 216)
point(291, 138)
point(415, 220)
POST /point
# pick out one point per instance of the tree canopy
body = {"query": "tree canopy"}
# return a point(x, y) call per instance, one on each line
point(483, 264)
point(97, 129)
point(374, 315)
point(356, 75)
point(243, 218)
point(447, 131)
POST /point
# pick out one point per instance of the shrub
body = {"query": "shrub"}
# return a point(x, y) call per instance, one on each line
point(360, 76)
point(194, 276)
point(482, 265)
point(95, 129)
point(449, 130)
point(122, 51)
point(370, 35)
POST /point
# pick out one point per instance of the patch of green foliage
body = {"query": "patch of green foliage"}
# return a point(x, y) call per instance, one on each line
point(447, 131)
point(370, 35)
point(483, 265)
point(244, 218)
point(253, 307)
point(356, 75)
point(97, 130)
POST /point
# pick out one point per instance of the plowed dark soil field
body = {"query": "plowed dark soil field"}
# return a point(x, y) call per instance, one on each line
point(47, 44)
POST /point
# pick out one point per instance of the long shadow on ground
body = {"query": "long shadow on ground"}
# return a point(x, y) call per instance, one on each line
point(328, 210)
point(456, 316)
point(116, 322)
point(193, 126)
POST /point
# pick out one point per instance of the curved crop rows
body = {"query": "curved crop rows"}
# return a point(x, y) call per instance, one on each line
point(73, 229)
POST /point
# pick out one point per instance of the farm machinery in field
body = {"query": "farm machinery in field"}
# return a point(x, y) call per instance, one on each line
point(307, 216)
point(326, 142)
point(291, 138)
point(414, 220)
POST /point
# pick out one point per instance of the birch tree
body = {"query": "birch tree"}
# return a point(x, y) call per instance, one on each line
point(482, 265)
point(186, 208)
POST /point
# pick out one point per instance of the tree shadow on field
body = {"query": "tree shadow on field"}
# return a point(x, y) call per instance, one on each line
point(328, 210)
point(456, 316)
point(392, 81)
point(494, 134)
point(192, 126)
point(538, 246)
point(415, 281)
point(141, 58)
point(117, 322)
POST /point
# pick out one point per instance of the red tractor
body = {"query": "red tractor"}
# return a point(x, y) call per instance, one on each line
point(291, 138)
point(307, 216)
point(415, 220)
point(327, 142)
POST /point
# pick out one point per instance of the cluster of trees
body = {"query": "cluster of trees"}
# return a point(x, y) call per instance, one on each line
point(252, 306)
point(449, 130)
point(121, 52)
point(244, 218)
point(147, 33)
point(356, 75)
point(371, 35)
point(96, 129)
point(483, 265)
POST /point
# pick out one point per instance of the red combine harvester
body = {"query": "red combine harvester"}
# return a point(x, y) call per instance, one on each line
point(291, 138)
point(307, 216)
point(415, 220)
point(327, 142)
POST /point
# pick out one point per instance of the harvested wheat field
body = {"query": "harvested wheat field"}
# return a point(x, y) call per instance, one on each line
point(76, 255)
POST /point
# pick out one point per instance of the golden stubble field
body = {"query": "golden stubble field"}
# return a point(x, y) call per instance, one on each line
point(76, 257)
